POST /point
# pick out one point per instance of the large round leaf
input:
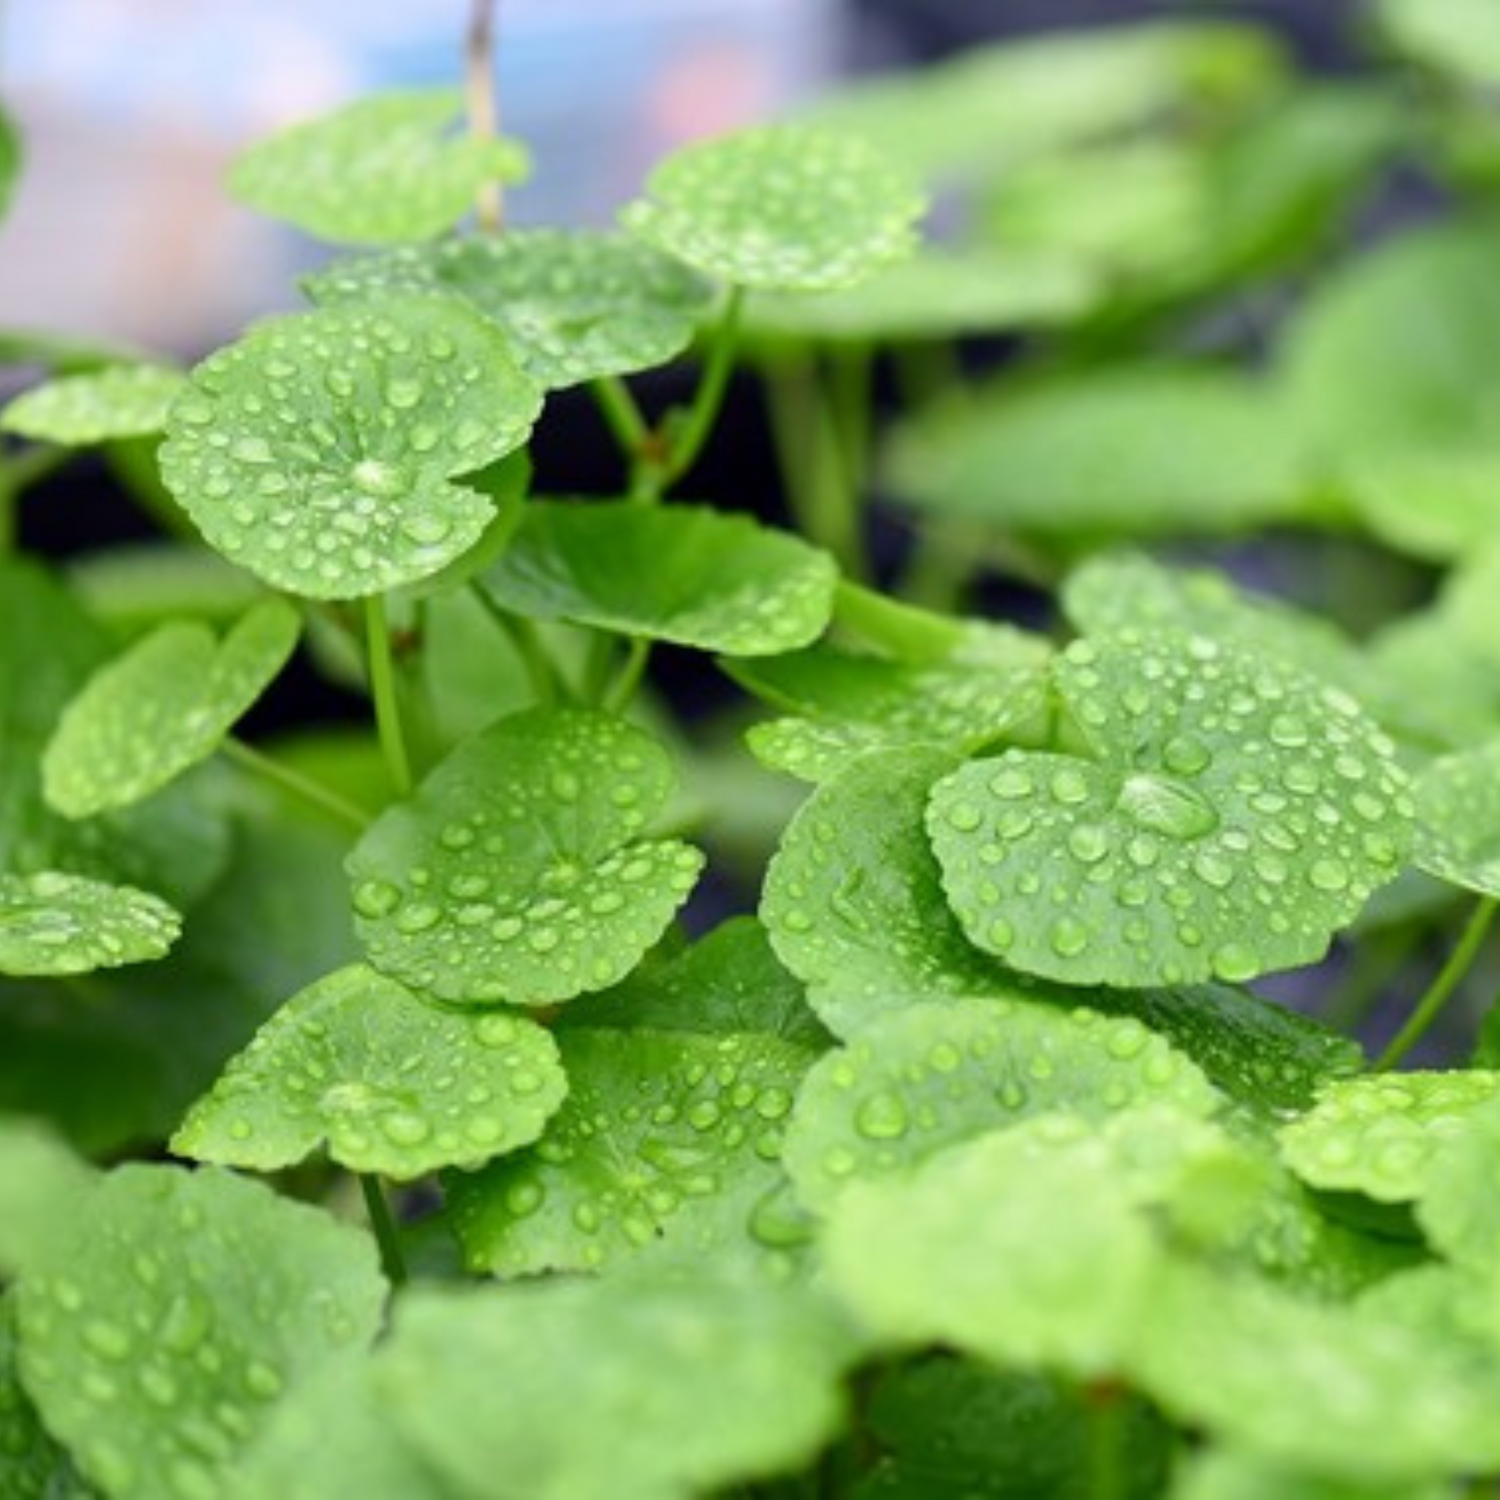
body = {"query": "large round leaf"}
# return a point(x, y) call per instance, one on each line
point(78, 411)
point(52, 923)
point(913, 1084)
point(684, 574)
point(1232, 816)
point(784, 207)
point(163, 706)
point(516, 872)
point(376, 172)
point(319, 450)
point(576, 304)
point(180, 1309)
point(392, 1084)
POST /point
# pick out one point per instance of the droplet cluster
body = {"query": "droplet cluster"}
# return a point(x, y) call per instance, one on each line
point(52, 923)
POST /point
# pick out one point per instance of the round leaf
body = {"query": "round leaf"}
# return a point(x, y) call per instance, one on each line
point(1458, 819)
point(515, 872)
point(376, 172)
point(1089, 455)
point(665, 1136)
point(165, 705)
point(917, 1082)
point(595, 1389)
point(183, 1306)
point(394, 1085)
point(692, 576)
point(79, 411)
point(1234, 814)
point(51, 923)
point(784, 207)
point(1378, 1135)
point(576, 305)
point(318, 451)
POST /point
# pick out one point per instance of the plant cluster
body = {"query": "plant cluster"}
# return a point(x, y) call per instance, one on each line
point(971, 1164)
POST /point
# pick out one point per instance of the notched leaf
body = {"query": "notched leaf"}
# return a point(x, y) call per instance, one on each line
point(81, 411)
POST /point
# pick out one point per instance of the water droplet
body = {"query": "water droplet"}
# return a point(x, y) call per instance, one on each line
point(882, 1117)
point(1186, 756)
point(1328, 875)
point(1069, 938)
point(1167, 807)
point(376, 898)
point(1236, 963)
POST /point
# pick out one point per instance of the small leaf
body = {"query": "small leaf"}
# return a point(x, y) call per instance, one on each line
point(1236, 1474)
point(376, 172)
point(1453, 36)
point(1460, 1204)
point(51, 923)
point(575, 304)
point(653, 1387)
point(163, 706)
point(1458, 819)
point(784, 207)
point(319, 451)
point(1088, 455)
point(43, 1189)
point(729, 982)
point(185, 1305)
point(394, 1085)
point(81, 411)
point(664, 1136)
point(1233, 815)
point(32, 1465)
point(684, 574)
point(916, 1083)
point(516, 872)
point(1377, 1135)
point(133, 588)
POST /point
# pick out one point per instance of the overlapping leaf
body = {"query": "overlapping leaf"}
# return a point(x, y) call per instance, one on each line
point(392, 1084)
point(1089, 455)
point(665, 1136)
point(162, 707)
point(781, 207)
point(1235, 1474)
point(32, 1465)
point(319, 451)
point(652, 1387)
point(376, 172)
point(44, 1188)
point(1460, 1205)
point(916, 1083)
point(1233, 815)
point(517, 871)
point(1454, 36)
point(685, 574)
point(1458, 819)
point(576, 304)
point(79, 411)
point(134, 588)
point(53, 923)
point(181, 1308)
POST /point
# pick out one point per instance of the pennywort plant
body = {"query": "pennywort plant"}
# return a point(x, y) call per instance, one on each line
point(392, 1112)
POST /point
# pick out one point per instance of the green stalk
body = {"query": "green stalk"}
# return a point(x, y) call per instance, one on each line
point(546, 681)
point(383, 1224)
point(621, 415)
point(689, 438)
point(383, 688)
point(1430, 1006)
point(304, 788)
point(1106, 1444)
point(625, 686)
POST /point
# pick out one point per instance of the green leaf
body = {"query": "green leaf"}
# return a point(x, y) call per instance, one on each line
point(1235, 1474)
point(376, 172)
point(937, 294)
point(52, 923)
point(1233, 815)
point(651, 1387)
point(134, 588)
point(1025, 1253)
point(1454, 36)
point(664, 1136)
point(854, 902)
point(393, 1085)
point(183, 1307)
point(729, 982)
point(576, 304)
point(684, 574)
point(1458, 818)
point(920, 1081)
point(162, 707)
point(1378, 1135)
point(44, 1188)
point(1339, 1390)
point(1459, 1208)
point(952, 1427)
point(516, 872)
point(783, 207)
point(319, 451)
point(851, 704)
point(1087, 455)
point(32, 1466)
point(81, 411)
point(1435, 503)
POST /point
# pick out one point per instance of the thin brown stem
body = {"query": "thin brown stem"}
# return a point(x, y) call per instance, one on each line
point(484, 105)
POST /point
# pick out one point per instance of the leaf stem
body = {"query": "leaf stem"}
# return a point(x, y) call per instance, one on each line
point(621, 414)
point(383, 1224)
point(484, 105)
point(1106, 1443)
point(713, 384)
point(1430, 1006)
point(546, 681)
point(625, 686)
point(304, 788)
point(383, 688)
